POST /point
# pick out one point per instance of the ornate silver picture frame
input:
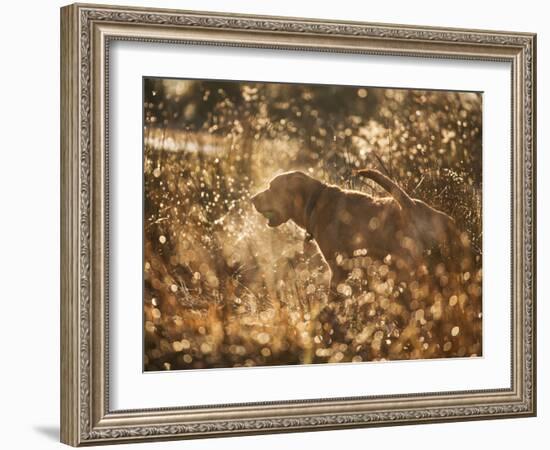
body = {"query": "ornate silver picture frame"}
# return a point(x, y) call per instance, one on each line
point(87, 33)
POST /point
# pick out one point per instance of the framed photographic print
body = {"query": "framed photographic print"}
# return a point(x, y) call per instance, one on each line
point(274, 224)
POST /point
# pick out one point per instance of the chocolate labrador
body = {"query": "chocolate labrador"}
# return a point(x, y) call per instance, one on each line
point(344, 222)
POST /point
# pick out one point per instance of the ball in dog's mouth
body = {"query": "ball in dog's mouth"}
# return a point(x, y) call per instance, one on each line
point(271, 217)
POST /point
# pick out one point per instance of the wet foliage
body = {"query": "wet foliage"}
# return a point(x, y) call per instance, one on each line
point(222, 289)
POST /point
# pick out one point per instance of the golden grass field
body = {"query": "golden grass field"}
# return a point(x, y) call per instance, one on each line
point(222, 289)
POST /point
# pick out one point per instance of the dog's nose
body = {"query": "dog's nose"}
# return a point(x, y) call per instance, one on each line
point(254, 199)
point(259, 199)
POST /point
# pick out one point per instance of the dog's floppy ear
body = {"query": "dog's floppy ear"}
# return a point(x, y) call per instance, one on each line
point(302, 184)
point(296, 177)
point(296, 183)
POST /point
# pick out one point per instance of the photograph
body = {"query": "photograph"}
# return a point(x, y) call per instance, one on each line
point(292, 223)
point(271, 224)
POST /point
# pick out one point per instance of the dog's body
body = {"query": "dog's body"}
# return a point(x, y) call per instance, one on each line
point(343, 222)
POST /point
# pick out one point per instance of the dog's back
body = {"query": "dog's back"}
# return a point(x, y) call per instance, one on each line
point(347, 221)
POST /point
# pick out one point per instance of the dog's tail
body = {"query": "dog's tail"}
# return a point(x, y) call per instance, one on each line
point(389, 185)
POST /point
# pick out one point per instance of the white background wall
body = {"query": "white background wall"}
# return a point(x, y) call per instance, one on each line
point(29, 221)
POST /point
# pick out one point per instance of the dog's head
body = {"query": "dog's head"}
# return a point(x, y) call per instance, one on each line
point(284, 198)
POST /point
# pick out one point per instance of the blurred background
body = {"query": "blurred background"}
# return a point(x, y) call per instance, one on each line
point(224, 290)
